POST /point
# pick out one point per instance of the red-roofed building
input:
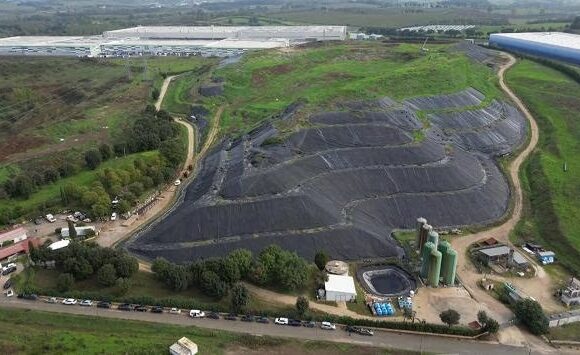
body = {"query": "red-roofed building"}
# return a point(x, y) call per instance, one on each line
point(15, 242)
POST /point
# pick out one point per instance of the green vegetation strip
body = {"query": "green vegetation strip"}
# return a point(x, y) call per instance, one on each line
point(550, 177)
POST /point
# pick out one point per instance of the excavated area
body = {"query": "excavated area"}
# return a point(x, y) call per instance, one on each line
point(346, 181)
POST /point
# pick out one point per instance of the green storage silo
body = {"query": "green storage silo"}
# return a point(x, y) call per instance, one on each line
point(425, 253)
point(450, 267)
point(443, 247)
point(433, 237)
point(434, 268)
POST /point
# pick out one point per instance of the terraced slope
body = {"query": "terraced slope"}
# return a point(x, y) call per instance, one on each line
point(346, 181)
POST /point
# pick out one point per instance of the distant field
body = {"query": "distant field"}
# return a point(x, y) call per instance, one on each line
point(35, 332)
point(566, 332)
point(554, 99)
point(265, 83)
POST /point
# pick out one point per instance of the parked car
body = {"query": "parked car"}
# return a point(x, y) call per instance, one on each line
point(49, 217)
point(263, 320)
point(281, 321)
point(310, 324)
point(7, 284)
point(247, 318)
point(366, 331)
point(8, 269)
point(51, 300)
point(28, 296)
point(104, 304)
point(69, 301)
point(86, 303)
point(157, 309)
point(295, 323)
point(213, 315)
point(175, 311)
point(196, 313)
point(125, 307)
point(327, 326)
point(141, 308)
point(114, 216)
point(9, 293)
point(177, 182)
point(231, 316)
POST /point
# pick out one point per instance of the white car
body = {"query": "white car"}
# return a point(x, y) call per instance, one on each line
point(177, 182)
point(196, 313)
point(69, 301)
point(281, 321)
point(50, 218)
point(327, 326)
point(114, 216)
point(86, 303)
point(9, 293)
point(175, 311)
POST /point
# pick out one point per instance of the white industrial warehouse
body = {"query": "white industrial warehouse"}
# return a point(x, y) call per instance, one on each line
point(220, 41)
point(555, 45)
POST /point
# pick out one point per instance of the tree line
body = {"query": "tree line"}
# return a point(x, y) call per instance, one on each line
point(214, 276)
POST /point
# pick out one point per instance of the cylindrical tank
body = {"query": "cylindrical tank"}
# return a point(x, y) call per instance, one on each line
point(423, 236)
point(434, 268)
point(420, 223)
point(450, 267)
point(425, 253)
point(443, 247)
point(433, 237)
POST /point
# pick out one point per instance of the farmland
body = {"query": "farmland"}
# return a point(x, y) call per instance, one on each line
point(552, 191)
point(265, 83)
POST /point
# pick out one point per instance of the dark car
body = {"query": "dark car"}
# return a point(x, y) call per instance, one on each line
point(213, 315)
point(351, 329)
point(7, 284)
point(231, 316)
point(28, 296)
point(141, 308)
point(8, 270)
point(125, 307)
point(295, 323)
point(248, 318)
point(310, 324)
point(103, 304)
point(157, 309)
point(264, 320)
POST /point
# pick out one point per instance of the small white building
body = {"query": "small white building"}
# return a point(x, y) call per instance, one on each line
point(340, 288)
point(183, 346)
point(59, 245)
point(81, 231)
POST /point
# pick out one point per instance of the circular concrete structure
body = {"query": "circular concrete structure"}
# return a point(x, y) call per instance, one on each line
point(337, 267)
point(386, 280)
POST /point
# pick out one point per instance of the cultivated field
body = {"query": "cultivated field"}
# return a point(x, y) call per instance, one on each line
point(554, 99)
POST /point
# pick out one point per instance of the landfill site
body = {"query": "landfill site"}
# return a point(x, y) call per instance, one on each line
point(346, 181)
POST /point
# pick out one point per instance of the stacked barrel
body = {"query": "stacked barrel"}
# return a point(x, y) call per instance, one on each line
point(438, 259)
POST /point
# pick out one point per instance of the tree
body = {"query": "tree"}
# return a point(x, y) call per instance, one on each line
point(172, 150)
point(106, 151)
point(64, 282)
point(320, 259)
point(530, 313)
point(491, 326)
point(72, 232)
point(242, 258)
point(122, 286)
point(178, 278)
point(93, 158)
point(212, 285)
point(293, 272)
point(107, 275)
point(576, 23)
point(155, 93)
point(302, 305)
point(450, 317)
point(23, 187)
point(240, 298)
point(230, 271)
point(482, 318)
point(126, 266)
point(407, 313)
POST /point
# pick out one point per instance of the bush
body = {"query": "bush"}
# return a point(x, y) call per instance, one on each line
point(107, 276)
point(320, 259)
point(450, 317)
point(530, 313)
point(302, 305)
point(64, 282)
point(93, 158)
point(240, 298)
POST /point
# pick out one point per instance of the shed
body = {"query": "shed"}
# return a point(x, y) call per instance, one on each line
point(546, 257)
point(81, 231)
point(183, 346)
point(59, 245)
point(340, 288)
point(519, 261)
point(489, 242)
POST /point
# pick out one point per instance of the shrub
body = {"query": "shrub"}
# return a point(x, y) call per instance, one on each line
point(240, 298)
point(450, 317)
point(107, 276)
point(64, 282)
point(302, 305)
point(530, 313)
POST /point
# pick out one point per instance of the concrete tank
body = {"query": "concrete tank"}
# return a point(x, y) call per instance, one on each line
point(434, 268)
point(433, 237)
point(450, 267)
point(420, 223)
point(443, 247)
point(425, 253)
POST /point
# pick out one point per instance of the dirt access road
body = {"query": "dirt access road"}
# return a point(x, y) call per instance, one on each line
point(115, 231)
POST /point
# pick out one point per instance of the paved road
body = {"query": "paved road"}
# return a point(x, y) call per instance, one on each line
point(381, 339)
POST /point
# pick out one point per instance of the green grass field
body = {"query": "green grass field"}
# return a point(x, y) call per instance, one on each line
point(265, 83)
point(553, 207)
point(182, 90)
point(565, 332)
point(35, 332)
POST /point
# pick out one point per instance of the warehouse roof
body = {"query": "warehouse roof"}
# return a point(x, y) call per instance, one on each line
point(340, 283)
point(17, 233)
point(559, 39)
point(502, 250)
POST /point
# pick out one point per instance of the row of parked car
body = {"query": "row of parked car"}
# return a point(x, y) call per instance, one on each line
point(196, 313)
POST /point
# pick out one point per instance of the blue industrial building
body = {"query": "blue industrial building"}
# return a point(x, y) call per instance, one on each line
point(553, 45)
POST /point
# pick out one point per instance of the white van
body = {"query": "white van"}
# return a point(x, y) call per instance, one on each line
point(50, 218)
